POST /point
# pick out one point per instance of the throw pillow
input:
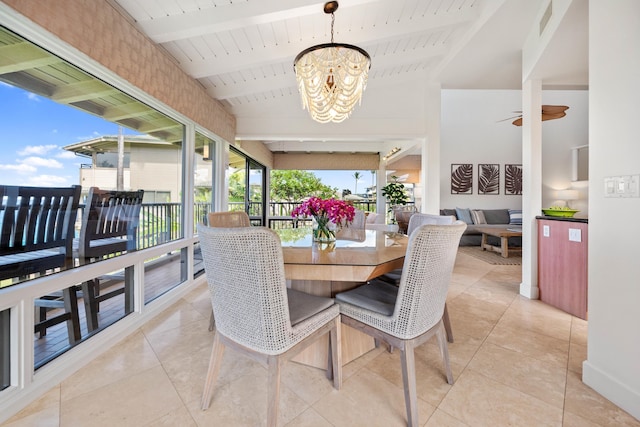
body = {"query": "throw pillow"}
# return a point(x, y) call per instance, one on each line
point(464, 215)
point(478, 217)
point(515, 216)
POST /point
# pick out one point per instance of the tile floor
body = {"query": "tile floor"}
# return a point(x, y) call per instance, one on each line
point(516, 362)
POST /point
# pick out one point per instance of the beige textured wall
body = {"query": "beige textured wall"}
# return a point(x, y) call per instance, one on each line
point(335, 161)
point(97, 29)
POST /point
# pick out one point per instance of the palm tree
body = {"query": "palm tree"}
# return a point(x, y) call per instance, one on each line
point(357, 176)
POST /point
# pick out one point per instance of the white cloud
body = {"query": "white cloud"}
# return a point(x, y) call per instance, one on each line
point(40, 161)
point(48, 181)
point(20, 168)
point(64, 154)
point(39, 150)
point(33, 97)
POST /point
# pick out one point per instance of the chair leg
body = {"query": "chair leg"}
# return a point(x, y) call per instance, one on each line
point(409, 380)
point(447, 324)
point(217, 351)
point(70, 299)
point(444, 351)
point(334, 368)
point(273, 390)
point(212, 321)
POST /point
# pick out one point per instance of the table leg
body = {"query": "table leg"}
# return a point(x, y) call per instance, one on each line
point(483, 243)
point(504, 247)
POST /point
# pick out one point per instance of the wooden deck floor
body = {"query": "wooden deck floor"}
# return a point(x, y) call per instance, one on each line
point(159, 278)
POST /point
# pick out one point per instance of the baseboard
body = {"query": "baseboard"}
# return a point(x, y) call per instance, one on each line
point(531, 292)
point(612, 389)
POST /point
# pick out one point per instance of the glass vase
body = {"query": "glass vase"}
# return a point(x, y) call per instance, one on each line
point(323, 229)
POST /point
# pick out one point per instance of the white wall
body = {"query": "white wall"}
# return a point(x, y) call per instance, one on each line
point(613, 355)
point(473, 132)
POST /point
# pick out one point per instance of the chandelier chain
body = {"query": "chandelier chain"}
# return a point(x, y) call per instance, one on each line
point(333, 20)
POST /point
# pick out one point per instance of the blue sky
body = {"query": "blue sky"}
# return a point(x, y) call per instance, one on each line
point(34, 130)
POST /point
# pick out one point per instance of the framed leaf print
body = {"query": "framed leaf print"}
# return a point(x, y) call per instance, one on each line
point(513, 179)
point(462, 178)
point(488, 179)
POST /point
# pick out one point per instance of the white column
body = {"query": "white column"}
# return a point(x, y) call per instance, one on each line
point(531, 184)
point(430, 167)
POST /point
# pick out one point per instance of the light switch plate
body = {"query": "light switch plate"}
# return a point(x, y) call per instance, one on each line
point(545, 230)
point(575, 235)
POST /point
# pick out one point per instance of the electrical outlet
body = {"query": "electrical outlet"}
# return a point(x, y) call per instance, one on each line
point(575, 235)
point(545, 230)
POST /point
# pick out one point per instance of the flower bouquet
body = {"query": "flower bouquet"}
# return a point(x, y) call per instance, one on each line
point(328, 215)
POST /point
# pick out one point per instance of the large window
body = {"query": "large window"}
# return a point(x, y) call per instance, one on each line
point(64, 127)
point(247, 183)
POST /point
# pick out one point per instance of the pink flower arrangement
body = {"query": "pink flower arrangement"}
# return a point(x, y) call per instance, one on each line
point(336, 211)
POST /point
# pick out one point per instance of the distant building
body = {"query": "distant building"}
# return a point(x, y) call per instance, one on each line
point(149, 164)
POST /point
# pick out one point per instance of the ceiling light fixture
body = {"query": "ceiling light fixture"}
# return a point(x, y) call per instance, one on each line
point(331, 76)
point(393, 151)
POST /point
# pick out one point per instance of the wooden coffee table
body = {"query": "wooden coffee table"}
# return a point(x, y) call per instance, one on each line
point(504, 234)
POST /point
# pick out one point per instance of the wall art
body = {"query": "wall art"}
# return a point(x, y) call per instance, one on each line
point(462, 178)
point(513, 179)
point(489, 178)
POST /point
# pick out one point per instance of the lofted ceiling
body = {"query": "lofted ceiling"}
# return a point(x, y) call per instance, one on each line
point(242, 52)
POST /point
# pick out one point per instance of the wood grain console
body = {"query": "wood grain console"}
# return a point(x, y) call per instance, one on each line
point(562, 264)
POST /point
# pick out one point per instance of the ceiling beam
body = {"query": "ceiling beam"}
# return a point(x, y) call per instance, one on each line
point(24, 56)
point(81, 91)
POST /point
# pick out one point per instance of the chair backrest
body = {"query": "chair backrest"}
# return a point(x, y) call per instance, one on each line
point(419, 219)
point(36, 219)
point(375, 218)
point(428, 264)
point(109, 222)
point(402, 214)
point(245, 272)
point(229, 219)
point(359, 220)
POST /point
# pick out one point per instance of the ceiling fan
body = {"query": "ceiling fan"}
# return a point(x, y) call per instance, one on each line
point(549, 112)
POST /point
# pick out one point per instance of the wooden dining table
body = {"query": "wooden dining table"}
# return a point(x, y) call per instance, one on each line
point(325, 269)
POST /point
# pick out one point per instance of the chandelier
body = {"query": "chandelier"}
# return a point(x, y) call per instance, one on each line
point(331, 76)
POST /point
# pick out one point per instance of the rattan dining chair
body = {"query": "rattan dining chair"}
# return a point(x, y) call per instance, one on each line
point(256, 314)
point(409, 317)
point(394, 276)
point(232, 219)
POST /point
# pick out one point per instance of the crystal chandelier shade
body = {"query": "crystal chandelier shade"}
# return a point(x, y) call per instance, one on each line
point(331, 77)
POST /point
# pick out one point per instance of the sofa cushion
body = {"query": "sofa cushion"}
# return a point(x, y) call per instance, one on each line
point(496, 216)
point(515, 216)
point(478, 217)
point(448, 212)
point(464, 215)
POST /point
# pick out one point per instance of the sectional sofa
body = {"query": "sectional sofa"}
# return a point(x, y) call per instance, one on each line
point(491, 218)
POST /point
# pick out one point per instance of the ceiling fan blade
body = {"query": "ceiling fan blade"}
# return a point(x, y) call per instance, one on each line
point(518, 122)
point(551, 109)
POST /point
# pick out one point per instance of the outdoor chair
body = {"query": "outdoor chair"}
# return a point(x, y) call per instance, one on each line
point(394, 276)
point(254, 312)
point(109, 227)
point(36, 236)
point(402, 214)
point(231, 219)
point(409, 315)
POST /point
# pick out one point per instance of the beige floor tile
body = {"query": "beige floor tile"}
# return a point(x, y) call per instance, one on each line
point(518, 338)
point(243, 402)
point(579, 331)
point(178, 418)
point(543, 380)
point(442, 419)
point(366, 399)
point(494, 293)
point(45, 412)
point(538, 323)
point(478, 308)
point(354, 366)
point(572, 420)
point(309, 418)
point(582, 400)
point(577, 355)
point(480, 401)
point(127, 358)
point(180, 342)
point(178, 315)
point(461, 351)
point(431, 381)
point(468, 324)
point(133, 401)
point(310, 383)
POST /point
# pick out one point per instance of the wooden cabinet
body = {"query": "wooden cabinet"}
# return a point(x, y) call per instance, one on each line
point(562, 264)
